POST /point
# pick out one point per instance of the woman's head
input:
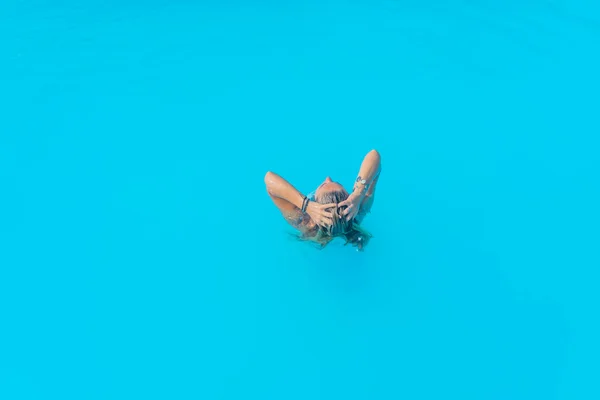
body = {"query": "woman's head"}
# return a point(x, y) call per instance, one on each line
point(332, 192)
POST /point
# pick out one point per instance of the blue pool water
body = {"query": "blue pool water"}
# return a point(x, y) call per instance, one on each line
point(140, 257)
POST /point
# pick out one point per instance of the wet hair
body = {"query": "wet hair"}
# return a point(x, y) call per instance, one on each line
point(349, 230)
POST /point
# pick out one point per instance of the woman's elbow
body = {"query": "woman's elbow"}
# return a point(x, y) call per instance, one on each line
point(269, 180)
point(375, 154)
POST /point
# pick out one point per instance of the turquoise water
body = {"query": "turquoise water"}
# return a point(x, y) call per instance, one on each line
point(141, 258)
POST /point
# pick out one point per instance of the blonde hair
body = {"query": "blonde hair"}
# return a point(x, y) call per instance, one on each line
point(353, 233)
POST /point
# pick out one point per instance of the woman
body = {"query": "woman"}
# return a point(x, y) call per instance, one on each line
point(329, 211)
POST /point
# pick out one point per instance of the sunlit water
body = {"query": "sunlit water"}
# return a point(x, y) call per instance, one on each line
point(140, 256)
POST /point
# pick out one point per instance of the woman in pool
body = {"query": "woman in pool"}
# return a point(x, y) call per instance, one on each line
point(329, 211)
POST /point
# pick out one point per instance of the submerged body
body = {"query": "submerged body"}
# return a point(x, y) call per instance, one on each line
point(330, 211)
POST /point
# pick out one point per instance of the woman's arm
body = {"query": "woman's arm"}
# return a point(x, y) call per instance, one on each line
point(361, 199)
point(368, 173)
point(367, 202)
point(289, 201)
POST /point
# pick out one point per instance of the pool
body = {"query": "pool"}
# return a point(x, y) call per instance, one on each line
point(142, 258)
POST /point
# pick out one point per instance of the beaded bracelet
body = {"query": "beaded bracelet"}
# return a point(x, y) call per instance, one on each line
point(305, 203)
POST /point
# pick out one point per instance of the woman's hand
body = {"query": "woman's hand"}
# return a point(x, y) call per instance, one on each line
point(352, 204)
point(319, 213)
